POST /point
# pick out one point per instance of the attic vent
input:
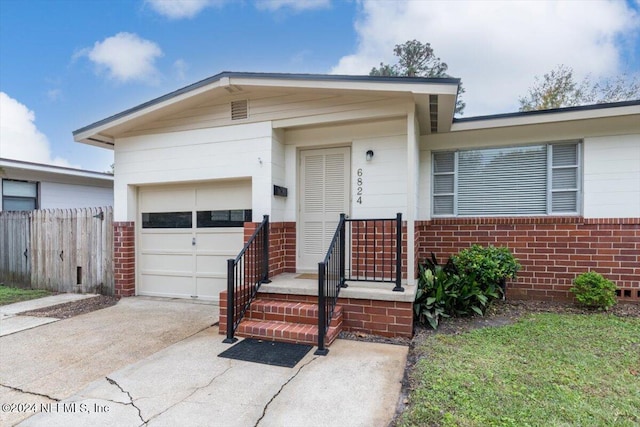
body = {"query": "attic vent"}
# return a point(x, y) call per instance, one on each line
point(433, 113)
point(239, 109)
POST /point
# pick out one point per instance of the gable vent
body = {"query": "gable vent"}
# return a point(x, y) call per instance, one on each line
point(239, 109)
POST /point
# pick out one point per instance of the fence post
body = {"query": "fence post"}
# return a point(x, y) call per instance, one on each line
point(230, 302)
point(322, 312)
point(398, 287)
point(343, 229)
point(265, 251)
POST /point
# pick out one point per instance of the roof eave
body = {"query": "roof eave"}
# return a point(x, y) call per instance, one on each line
point(52, 169)
point(594, 111)
point(94, 134)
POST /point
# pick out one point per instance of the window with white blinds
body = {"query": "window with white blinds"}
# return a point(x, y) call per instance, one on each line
point(525, 180)
point(565, 165)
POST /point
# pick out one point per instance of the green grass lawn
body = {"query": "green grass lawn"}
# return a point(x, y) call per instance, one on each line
point(545, 370)
point(9, 295)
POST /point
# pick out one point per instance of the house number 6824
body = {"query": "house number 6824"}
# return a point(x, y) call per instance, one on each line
point(359, 186)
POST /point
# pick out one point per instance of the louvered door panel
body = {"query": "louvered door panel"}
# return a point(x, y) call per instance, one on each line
point(324, 177)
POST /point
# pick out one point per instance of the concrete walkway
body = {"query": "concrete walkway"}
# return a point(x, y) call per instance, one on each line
point(186, 384)
point(10, 323)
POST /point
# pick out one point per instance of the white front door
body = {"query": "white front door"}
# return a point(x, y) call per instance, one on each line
point(324, 195)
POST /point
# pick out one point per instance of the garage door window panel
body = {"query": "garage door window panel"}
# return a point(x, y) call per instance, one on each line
point(223, 218)
point(167, 220)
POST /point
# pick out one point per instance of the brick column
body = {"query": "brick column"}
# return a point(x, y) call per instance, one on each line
point(282, 248)
point(124, 253)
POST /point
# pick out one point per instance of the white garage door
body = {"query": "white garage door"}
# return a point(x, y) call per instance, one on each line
point(185, 236)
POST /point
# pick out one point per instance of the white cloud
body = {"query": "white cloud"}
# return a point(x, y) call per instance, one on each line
point(497, 47)
point(180, 9)
point(125, 57)
point(180, 68)
point(20, 139)
point(297, 5)
point(54, 95)
point(184, 9)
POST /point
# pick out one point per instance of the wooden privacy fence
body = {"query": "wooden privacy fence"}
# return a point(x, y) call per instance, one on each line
point(63, 250)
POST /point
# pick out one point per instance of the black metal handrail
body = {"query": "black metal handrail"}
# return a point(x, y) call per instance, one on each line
point(375, 250)
point(330, 279)
point(245, 274)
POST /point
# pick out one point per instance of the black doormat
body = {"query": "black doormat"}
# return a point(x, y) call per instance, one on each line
point(268, 352)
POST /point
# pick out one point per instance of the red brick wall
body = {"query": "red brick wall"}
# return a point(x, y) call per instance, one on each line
point(282, 248)
point(124, 256)
point(386, 318)
point(552, 250)
point(373, 249)
point(282, 245)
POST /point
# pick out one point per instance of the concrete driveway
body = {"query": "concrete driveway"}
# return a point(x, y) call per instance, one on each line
point(181, 381)
point(49, 363)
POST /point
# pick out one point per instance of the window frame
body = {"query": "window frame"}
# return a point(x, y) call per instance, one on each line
point(455, 182)
point(549, 180)
point(35, 198)
point(196, 219)
point(577, 167)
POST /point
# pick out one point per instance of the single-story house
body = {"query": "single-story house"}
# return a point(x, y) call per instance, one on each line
point(198, 168)
point(27, 186)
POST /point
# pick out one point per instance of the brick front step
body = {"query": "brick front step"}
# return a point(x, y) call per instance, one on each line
point(288, 312)
point(296, 333)
point(287, 321)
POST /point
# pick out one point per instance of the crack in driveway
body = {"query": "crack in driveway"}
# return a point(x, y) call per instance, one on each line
point(131, 400)
point(115, 383)
point(29, 392)
point(264, 410)
point(195, 390)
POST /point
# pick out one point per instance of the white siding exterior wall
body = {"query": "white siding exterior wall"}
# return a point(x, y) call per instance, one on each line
point(279, 177)
point(61, 189)
point(384, 178)
point(269, 105)
point(612, 177)
point(54, 195)
point(240, 151)
point(597, 142)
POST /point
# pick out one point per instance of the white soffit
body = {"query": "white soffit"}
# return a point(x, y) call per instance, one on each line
point(541, 117)
point(100, 133)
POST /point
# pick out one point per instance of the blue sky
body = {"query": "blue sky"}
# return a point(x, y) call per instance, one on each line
point(67, 63)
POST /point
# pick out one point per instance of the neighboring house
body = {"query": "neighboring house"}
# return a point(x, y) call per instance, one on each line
point(28, 186)
point(561, 187)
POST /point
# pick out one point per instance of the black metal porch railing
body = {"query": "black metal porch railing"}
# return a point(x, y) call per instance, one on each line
point(330, 279)
point(361, 250)
point(374, 251)
point(245, 274)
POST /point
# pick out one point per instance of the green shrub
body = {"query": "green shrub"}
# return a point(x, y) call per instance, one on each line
point(443, 292)
point(593, 290)
point(436, 291)
point(489, 266)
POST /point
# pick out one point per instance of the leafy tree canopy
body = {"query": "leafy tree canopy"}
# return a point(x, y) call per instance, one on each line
point(417, 59)
point(559, 88)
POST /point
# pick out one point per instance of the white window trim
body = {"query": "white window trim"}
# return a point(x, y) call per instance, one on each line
point(2, 195)
point(455, 182)
point(551, 168)
point(550, 190)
